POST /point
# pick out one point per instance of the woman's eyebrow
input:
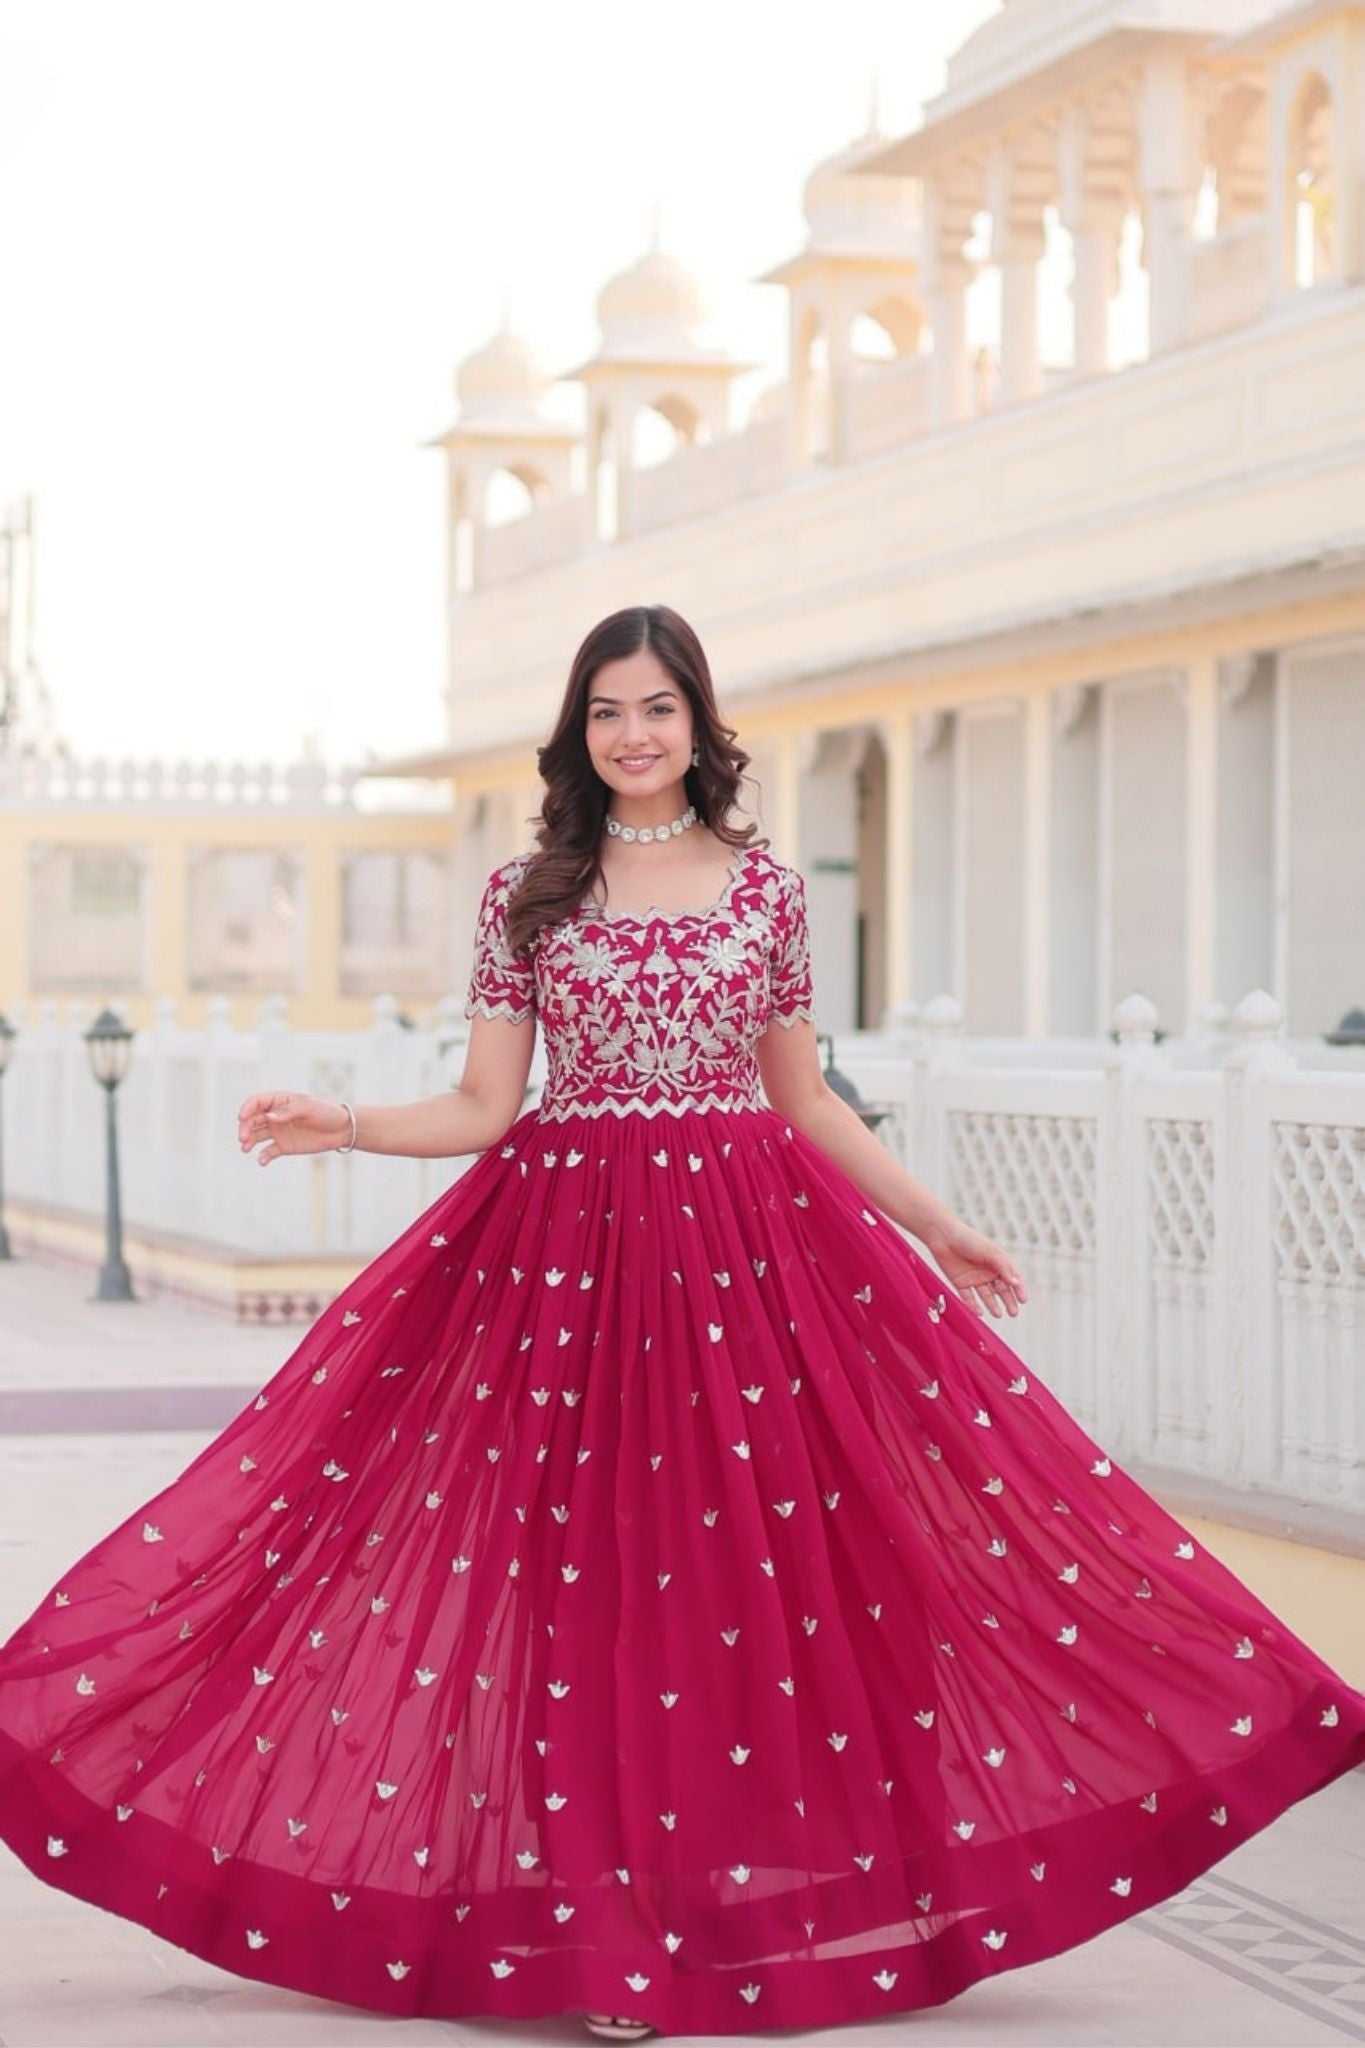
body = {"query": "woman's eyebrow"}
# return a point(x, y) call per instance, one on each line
point(644, 700)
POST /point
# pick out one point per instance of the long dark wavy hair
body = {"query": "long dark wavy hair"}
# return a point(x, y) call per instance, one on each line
point(566, 865)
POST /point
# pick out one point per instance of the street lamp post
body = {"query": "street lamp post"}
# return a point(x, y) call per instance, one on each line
point(8, 1035)
point(108, 1042)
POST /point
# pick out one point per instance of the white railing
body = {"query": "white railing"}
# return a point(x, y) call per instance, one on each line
point(182, 1173)
point(888, 403)
point(1188, 1215)
point(1229, 279)
point(706, 476)
point(61, 779)
point(553, 531)
point(1190, 1218)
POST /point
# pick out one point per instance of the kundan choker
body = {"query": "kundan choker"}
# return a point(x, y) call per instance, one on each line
point(646, 833)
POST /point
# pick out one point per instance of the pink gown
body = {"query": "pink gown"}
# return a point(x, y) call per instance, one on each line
point(648, 1589)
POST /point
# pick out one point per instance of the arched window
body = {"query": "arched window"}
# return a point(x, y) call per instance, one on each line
point(512, 493)
point(669, 422)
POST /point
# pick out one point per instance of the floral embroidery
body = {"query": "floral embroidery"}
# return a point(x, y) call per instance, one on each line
point(657, 1012)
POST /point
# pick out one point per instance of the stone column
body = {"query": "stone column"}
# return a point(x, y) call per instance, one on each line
point(841, 370)
point(897, 733)
point(1017, 248)
point(1200, 692)
point(944, 274)
point(951, 385)
point(796, 751)
point(1037, 860)
point(1019, 182)
point(1094, 156)
point(624, 413)
point(1168, 177)
point(1096, 243)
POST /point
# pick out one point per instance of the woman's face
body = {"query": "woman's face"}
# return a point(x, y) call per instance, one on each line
point(639, 730)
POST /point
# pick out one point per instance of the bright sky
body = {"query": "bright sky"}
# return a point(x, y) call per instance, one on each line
point(247, 241)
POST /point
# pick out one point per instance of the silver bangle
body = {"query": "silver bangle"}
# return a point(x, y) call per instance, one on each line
point(349, 1146)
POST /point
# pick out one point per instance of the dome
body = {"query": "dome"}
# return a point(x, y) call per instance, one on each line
point(503, 376)
point(850, 208)
point(655, 299)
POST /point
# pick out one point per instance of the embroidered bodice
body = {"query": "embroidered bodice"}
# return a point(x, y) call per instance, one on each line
point(654, 1011)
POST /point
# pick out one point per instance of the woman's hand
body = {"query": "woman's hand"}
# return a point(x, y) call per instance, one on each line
point(978, 1268)
point(289, 1124)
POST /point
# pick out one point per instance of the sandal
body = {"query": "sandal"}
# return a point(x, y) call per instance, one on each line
point(610, 2029)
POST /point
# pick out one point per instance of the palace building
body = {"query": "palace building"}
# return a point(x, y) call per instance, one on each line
point(1048, 646)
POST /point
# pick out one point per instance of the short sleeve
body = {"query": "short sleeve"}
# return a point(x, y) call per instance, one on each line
point(790, 990)
point(501, 984)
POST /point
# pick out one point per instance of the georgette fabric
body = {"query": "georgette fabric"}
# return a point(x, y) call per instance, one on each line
point(649, 1588)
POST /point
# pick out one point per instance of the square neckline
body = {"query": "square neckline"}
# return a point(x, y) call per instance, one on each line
point(654, 914)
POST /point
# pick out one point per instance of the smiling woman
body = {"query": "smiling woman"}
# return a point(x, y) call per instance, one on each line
point(653, 1583)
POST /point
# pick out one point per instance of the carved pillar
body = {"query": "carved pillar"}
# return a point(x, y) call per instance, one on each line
point(1169, 178)
point(842, 369)
point(1094, 160)
point(625, 411)
point(796, 752)
point(1020, 180)
point(1038, 715)
point(1200, 691)
point(897, 734)
point(1237, 144)
point(945, 273)
point(1096, 243)
point(1018, 249)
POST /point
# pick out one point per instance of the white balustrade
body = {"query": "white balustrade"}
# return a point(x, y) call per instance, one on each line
point(705, 476)
point(34, 781)
point(1187, 1213)
point(554, 530)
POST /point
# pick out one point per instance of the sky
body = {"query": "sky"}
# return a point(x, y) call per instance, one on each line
point(245, 246)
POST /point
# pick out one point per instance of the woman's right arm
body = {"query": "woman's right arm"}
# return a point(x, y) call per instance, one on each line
point(467, 1118)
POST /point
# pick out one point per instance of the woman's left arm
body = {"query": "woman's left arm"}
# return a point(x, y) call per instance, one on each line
point(794, 1083)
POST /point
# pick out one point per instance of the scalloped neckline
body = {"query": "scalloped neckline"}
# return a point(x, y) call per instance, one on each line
point(653, 914)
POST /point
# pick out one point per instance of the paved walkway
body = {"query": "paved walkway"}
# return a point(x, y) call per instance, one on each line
point(97, 1414)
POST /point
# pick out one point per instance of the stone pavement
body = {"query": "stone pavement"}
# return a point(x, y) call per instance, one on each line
point(101, 1405)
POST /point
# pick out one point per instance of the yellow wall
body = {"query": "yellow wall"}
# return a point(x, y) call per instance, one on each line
point(169, 838)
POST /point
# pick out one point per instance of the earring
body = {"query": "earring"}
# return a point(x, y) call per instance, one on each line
point(695, 757)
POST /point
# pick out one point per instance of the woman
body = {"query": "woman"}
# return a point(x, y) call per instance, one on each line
point(652, 1589)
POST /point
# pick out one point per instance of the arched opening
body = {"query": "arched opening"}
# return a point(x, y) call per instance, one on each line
point(1311, 166)
point(1233, 186)
point(513, 492)
point(668, 423)
point(869, 341)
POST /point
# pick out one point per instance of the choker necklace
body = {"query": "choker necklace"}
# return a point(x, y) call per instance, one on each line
point(645, 833)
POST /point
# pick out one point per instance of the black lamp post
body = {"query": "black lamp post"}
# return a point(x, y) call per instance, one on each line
point(8, 1034)
point(108, 1041)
